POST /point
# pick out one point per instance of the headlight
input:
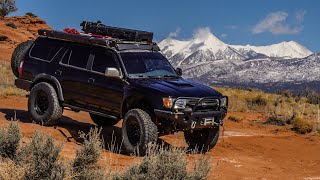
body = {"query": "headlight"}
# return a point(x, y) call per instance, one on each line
point(167, 102)
point(180, 104)
point(223, 102)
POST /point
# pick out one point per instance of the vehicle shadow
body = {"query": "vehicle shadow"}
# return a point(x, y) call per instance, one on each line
point(70, 129)
point(112, 136)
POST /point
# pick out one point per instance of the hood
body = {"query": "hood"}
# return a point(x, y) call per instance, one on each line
point(175, 87)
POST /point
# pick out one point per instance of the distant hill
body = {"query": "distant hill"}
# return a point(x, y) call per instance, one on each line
point(14, 30)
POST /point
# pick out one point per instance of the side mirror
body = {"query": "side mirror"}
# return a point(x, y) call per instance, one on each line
point(112, 72)
point(179, 71)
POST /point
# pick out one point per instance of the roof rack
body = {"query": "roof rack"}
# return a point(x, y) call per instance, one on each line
point(115, 32)
point(123, 42)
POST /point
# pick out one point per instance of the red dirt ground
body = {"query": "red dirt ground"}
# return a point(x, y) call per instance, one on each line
point(248, 150)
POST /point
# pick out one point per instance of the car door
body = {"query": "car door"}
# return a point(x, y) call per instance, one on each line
point(106, 93)
point(74, 75)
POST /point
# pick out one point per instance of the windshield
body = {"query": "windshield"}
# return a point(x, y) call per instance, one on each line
point(147, 64)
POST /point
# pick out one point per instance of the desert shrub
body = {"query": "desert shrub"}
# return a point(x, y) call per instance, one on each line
point(280, 118)
point(235, 119)
point(313, 98)
point(84, 166)
point(285, 93)
point(256, 101)
point(40, 158)
point(9, 140)
point(6, 7)
point(12, 25)
point(301, 126)
point(3, 37)
point(165, 163)
point(30, 14)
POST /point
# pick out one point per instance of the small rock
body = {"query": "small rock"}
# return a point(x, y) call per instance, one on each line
point(3, 38)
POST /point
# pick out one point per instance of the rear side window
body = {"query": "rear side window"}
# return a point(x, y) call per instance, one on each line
point(77, 56)
point(103, 60)
point(45, 49)
point(66, 57)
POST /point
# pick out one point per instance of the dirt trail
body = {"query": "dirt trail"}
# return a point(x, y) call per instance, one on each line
point(248, 150)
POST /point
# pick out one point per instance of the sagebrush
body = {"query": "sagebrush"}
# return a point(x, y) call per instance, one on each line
point(42, 158)
point(168, 163)
point(9, 140)
point(84, 166)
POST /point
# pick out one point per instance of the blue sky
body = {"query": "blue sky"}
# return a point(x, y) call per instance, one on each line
point(254, 22)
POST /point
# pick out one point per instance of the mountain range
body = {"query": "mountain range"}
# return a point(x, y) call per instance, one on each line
point(207, 59)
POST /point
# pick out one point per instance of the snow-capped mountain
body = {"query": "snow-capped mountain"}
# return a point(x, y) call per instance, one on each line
point(204, 47)
point(207, 59)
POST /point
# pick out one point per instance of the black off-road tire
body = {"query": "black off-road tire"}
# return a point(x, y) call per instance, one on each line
point(147, 131)
point(103, 121)
point(41, 94)
point(18, 55)
point(202, 140)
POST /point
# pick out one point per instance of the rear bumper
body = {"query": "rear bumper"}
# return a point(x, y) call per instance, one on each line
point(194, 120)
point(23, 84)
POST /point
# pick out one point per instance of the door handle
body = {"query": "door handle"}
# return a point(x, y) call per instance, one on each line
point(91, 80)
point(58, 72)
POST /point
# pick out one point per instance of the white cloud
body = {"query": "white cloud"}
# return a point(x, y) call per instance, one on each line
point(300, 16)
point(224, 36)
point(233, 27)
point(202, 33)
point(275, 23)
point(175, 33)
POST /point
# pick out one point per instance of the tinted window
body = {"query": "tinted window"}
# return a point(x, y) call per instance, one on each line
point(79, 56)
point(66, 57)
point(147, 64)
point(103, 60)
point(45, 49)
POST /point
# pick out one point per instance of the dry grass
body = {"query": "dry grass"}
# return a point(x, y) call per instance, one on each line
point(7, 87)
point(9, 170)
point(301, 126)
point(281, 109)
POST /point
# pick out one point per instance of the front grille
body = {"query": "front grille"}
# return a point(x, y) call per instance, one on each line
point(203, 105)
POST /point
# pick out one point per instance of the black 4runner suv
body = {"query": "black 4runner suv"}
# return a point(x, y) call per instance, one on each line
point(116, 73)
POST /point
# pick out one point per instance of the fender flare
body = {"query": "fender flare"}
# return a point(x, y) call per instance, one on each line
point(52, 79)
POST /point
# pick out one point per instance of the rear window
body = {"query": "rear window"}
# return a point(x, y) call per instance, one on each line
point(45, 49)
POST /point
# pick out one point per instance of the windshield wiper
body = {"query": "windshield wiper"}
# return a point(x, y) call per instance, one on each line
point(139, 76)
point(171, 76)
point(156, 77)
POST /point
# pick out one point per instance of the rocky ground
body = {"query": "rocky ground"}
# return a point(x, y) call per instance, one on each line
point(246, 150)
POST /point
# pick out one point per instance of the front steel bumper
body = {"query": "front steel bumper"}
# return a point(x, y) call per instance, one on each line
point(195, 119)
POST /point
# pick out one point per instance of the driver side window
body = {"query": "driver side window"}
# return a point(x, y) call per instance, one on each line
point(103, 60)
